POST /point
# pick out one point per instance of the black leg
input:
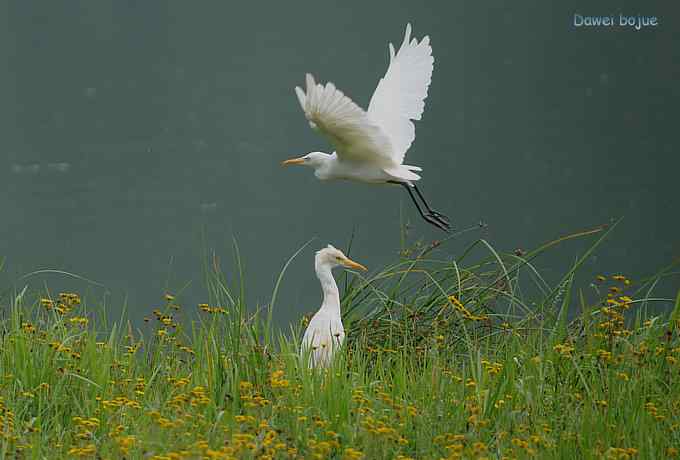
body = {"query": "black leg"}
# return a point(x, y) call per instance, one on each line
point(427, 217)
point(432, 212)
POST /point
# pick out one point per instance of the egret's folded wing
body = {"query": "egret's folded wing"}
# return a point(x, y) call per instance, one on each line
point(401, 93)
point(319, 343)
point(345, 124)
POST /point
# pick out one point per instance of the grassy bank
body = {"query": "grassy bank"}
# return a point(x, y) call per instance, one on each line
point(475, 356)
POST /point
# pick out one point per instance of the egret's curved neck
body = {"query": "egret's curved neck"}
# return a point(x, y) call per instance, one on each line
point(331, 295)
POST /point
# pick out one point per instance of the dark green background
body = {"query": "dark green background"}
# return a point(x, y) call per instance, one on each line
point(128, 127)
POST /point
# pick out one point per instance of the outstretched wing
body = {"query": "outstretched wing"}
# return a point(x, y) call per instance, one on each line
point(401, 93)
point(345, 124)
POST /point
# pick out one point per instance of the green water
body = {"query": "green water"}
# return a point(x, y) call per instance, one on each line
point(132, 129)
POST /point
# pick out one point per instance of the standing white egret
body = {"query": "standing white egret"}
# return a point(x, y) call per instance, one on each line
point(370, 145)
point(325, 332)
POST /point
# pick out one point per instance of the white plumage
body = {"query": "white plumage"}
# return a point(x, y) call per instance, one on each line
point(325, 332)
point(370, 146)
point(345, 124)
point(401, 93)
point(377, 139)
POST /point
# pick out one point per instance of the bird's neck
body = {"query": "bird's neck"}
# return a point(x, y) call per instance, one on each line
point(324, 170)
point(331, 295)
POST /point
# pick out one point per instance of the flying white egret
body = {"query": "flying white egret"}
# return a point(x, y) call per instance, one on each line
point(370, 145)
point(325, 332)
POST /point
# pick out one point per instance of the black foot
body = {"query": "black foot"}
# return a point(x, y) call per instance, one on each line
point(435, 218)
point(439, 216)
point(437, 222)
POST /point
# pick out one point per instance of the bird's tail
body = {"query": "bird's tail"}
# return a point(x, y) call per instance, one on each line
point(403, 173)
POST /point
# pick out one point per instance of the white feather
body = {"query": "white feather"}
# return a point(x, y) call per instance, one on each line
point(401, 93)
point(345, 124)
point(323, 337)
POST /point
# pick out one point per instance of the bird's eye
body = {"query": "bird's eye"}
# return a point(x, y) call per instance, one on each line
point(338, 258)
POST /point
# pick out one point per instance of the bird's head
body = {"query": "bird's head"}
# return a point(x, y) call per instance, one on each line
point(314, 159)
point(332, 257)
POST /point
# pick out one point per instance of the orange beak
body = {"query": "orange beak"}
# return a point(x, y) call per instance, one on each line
point(355, 265)
point(293, 161)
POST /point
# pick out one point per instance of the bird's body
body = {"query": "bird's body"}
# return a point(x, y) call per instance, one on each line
point(325, 332)
point(334, 168)
point(370, 145)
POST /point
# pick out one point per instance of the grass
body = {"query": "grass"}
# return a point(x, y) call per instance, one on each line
point(476, 356)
